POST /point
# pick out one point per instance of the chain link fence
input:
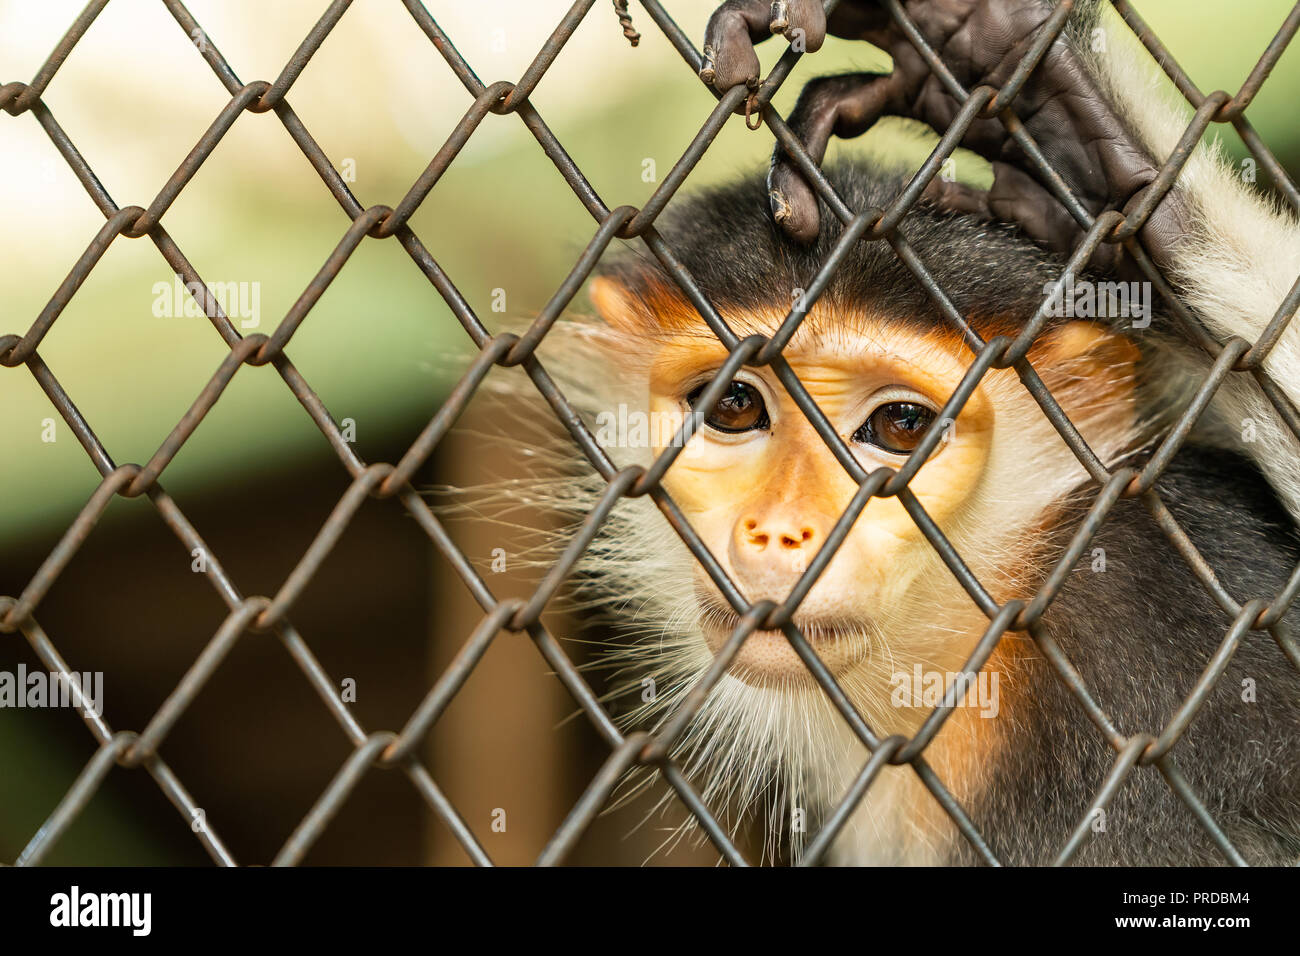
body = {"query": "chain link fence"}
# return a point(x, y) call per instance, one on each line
point(401, 749)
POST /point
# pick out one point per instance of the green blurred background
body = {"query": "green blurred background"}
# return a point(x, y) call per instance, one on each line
point(380, 347)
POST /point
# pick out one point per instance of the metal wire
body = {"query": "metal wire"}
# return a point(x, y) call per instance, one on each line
point(273, 613)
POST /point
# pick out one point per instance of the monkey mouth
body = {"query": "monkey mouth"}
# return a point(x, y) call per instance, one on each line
point(768, 655)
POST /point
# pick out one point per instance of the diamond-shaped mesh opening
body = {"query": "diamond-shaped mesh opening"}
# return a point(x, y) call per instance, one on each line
point(271, 617)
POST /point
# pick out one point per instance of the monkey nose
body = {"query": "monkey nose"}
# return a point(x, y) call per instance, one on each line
point(770, 551)
point(755, 535)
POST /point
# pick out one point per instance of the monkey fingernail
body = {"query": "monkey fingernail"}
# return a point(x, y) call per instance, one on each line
point(780, 16)
point(708, 69)
point(780, 206)
point(801, 228)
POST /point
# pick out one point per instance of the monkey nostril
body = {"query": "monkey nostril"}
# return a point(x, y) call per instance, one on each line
point(752, 533)
point(790, 541)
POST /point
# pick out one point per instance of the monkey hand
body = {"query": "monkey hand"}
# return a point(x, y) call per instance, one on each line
point(1079, 132)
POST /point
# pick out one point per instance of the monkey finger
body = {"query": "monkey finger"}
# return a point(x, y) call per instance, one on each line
point(843, 106)
point(729, 39)
point(1018, 198)
point(958, 197)
point(1166, 228)
point(800, 21)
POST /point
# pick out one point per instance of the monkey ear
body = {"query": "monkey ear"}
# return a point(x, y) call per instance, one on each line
point(1084, 348)
point(649, 309)
point(621, 308)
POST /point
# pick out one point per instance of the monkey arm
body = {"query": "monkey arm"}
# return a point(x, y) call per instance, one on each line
point(1061, 106)
point(1237, 263)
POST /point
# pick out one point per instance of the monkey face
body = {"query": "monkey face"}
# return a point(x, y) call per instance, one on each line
point(766, 493)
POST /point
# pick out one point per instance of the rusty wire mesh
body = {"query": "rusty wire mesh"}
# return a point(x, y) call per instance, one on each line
point(401, 749)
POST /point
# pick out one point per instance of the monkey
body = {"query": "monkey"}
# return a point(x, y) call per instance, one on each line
point(890, 617)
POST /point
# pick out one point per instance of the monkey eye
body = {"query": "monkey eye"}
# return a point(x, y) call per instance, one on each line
point(897, 427)
point(740, 409)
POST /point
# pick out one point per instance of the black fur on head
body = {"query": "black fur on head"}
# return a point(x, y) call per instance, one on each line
point(739, 257)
